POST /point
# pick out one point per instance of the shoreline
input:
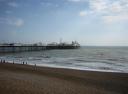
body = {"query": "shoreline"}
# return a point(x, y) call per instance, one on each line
point(72, 68)
point(25, 79)
point(79, 69)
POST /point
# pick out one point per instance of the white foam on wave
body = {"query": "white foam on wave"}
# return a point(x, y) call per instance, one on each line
point(107, 60)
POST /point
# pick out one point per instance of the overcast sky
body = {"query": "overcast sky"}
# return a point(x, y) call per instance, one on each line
point(90, 22)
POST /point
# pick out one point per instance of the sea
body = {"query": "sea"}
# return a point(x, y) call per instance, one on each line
point(106, 59)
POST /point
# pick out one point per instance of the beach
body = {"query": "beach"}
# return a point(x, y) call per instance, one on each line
point(28, 79)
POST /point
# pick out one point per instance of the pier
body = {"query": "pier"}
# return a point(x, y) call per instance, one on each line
point(9, 49)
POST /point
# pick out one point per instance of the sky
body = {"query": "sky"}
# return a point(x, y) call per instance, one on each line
point(90, 22)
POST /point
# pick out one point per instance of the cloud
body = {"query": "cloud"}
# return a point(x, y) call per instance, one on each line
point(77, 0)
point(13, 4)
point(98, 5)
point(83, 13)
point(108, 10)
point(116, 7)
point(48, 4)
point(117, 18)
point(108, 6)
point(17, 22)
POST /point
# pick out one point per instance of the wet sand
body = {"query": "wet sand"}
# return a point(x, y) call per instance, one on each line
point(26, 79)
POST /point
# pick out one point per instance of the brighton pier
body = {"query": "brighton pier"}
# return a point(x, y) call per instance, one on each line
point(8, 48)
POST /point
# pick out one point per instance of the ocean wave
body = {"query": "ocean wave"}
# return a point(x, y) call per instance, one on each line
point(44, 56)
point(87, 58)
